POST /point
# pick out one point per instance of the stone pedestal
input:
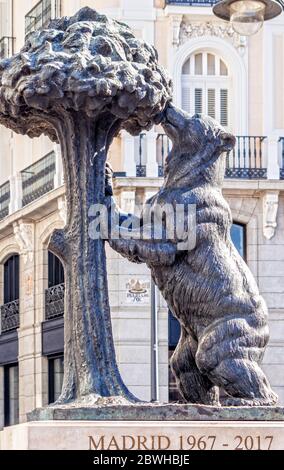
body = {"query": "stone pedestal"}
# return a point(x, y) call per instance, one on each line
point(144, 436)
point(148, 427)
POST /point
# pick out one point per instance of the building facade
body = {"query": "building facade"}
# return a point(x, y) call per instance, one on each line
point(237, 81)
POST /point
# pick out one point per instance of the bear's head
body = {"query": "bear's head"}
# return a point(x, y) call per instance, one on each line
point(197, 143)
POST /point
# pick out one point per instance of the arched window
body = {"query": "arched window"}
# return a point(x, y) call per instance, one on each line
point(54, 295)
point(238, 235)
point(11, 279)
point(54, 308)
point(205, 83)
point(55, 271)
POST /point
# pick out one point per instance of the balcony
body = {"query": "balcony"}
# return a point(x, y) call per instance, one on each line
point(41, 14)
point(38, 178)
point(6, 47)
point(245, 161)
point(4, 200)
point(10, 316)
point(192, 3)
point(54, 302)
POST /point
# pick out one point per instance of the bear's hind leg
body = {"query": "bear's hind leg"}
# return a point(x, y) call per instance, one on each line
point(193, 386)
point(229, 353)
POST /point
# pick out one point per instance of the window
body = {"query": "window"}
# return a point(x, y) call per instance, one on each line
point(5, 18)
point(11, 279)
point(10, 314)
point(55, 271)
point(11, 395)
point(54, 295)
point(41, 14)
point(55, 377)
point(206, 86)
point(238, 235)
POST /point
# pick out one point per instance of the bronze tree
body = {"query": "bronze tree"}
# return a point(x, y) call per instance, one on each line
point(80, 81)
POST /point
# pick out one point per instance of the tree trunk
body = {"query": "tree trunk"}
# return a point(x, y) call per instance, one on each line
point(90, 364)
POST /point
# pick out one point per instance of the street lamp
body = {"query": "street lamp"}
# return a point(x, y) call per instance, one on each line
point(247, 16)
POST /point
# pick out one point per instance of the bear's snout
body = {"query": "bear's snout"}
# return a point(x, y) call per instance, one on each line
point(174, 122)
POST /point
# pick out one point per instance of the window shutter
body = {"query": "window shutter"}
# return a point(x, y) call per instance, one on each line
point(224, 107)
point(186, 99)
point(211, 103)
point(198, 100)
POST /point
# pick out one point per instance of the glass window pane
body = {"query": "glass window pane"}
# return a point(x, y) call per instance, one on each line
point(11, 279)
point(198, 64)
point(210, 64)
point(58, 377)
point(223, 68)
point(238, 238)
point(186, 67)
point(55, 270)
point(55, 378)
point(14, 394)
point(11, 395)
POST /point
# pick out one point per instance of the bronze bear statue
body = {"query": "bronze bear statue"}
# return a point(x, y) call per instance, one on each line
point(209, 289)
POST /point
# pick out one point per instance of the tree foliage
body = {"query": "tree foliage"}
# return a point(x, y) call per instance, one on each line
point(86, 63)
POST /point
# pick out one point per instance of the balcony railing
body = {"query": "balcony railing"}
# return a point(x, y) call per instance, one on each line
point(41, 14)
point(281, 141)
point(38, 178)
point(192, 3)
point(6, 47)
point(4, 200)
point(245, 161)
point(10, 316)
point(54, 302)
point(163, 148)
point(140, 167)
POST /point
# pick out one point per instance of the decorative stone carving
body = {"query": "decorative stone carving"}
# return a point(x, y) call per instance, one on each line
point(80, 81)
point(270, 210)
point(176, 21)
point(62, 208)
point(190, 30)
point(24, 235)
point(208, 287)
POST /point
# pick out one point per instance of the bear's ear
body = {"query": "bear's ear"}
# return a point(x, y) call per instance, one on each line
point(228, 141)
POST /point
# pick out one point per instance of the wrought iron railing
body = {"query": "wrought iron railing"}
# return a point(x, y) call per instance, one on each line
point(245, 161)
point(38, 178)
point(140, 167)
point(4, 200)
point(281, 141)
point(192, 3)
point(41, 14)
point(163, 148)
point(6, 47)
point(54, 301)
point(10, 316)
